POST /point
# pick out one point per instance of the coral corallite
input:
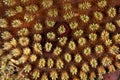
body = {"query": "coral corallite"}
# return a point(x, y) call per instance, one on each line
point(59, 39)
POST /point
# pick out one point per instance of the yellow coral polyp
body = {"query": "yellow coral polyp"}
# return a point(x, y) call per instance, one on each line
point(59, 64)
point(110, 27)
point(16, 23)
point(118, 22)
point(38, 26)
point(68, 15)
point(32, 8)
point(50, 23)
point(28, 18)
point(108, 42)
point(36, 74)
point(94, 26)
point(33, 58)
point(64, 76)
point(105, 35)
point(84, 18)
point(53, 13)
point(77, 58)
point(98, 15)
point(99, 49)
point(85, 67)
point(9, 2)
point(106, 61)
point(92, 36)
point(23, 32)
point(50, 62)
point(23, 59)
point(16, 52)
point(61, 29)
point(26, 51)
point(83, 75)
point(51, 35)
point(102, 3)
point(101, 71)
point(27, 68)
point(111, 68)
point(23, 41)
point(73, 25)
point(10, 12)
point(53, 75)
point(37, 37)
point(63, 41)
point(3, 23)
point(73, 70)
point(67, 6)
point(67, 57)
point(6, 35)
point(78, 33)
point(87, 51)
point(84, 5)
point(57, 51)
point(44, 77)
point(93, 63)
point(38, 48)
point(117, 38)
point(47, 3)
point(7, 46)
point(114, 49)
point(48, 46)
point(19, 9)
point(111, 12)
point(81, 41)
point(72, 45)
point(92, 76)
point(42, 63)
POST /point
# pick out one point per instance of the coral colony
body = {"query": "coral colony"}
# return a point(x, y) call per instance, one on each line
point(59, 39)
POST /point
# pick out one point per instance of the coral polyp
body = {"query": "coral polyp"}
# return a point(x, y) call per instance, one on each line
point(59, 39)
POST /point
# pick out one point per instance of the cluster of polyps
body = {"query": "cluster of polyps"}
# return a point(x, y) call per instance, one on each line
point(58, 40)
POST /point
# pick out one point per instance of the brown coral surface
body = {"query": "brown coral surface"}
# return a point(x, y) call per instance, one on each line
point(59, 39)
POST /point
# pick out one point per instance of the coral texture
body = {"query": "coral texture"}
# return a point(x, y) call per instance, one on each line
point(59, 39)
